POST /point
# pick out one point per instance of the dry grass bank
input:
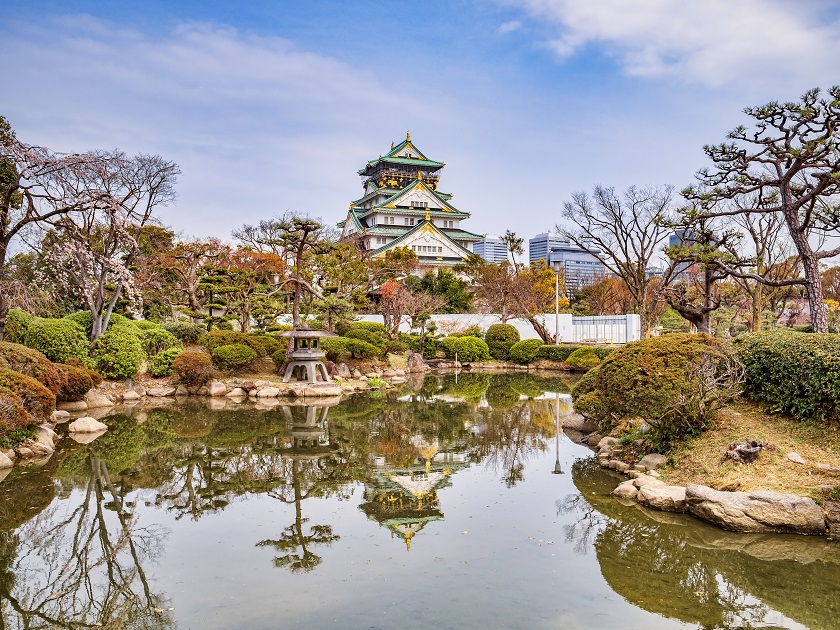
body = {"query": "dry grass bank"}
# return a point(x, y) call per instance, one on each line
point(700, 460)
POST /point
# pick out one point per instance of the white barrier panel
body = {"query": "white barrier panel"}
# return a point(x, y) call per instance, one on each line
point(604, 329)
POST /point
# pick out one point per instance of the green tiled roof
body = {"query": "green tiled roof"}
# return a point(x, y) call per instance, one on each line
point(410, 187)
point(420, 224)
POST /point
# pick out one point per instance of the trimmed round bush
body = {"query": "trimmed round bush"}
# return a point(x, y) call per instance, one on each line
point(470, 331)
point(525, 351)
point(499, 338)
point(465, 348)
point(95, 377)
point(58, 339)
point(379, 340)
point(38, 401)
point(77, 383)
point(193, 368)
point(119, 353)
point(14, 356)
point(157, 340)
point(217, 338)
point(362, 349)
point(233, 356)
point(375, 327)
point(279, 359)
point(395, 346)
point(333, 347)
point(675, 383)
point(17, 322)
point(13, 414)
point(161, 363)
point(186, 332)
point(582, 360)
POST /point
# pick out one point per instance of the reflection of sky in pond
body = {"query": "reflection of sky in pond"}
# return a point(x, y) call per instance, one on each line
point(381, 514)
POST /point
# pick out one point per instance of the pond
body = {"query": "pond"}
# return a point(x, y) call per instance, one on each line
point(450, 503)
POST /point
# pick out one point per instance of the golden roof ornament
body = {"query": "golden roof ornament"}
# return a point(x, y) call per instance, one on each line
point(427, 215)
point(408, 136)
point(420, 176)
point(392, 144)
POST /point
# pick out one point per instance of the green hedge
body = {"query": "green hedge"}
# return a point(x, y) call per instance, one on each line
point(377, 339)
point(119, 353)
point(465, 348)
point(525, 351)
point(217, 338)
point(675, 383)
point(158, 339)
point(58, 339)
point(233, 356)
point(562, 351)
point(500, 338)
point(186, 332)
point(795, 373)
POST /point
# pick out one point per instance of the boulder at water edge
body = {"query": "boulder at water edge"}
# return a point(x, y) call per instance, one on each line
point(759, 511)
point(86, 425)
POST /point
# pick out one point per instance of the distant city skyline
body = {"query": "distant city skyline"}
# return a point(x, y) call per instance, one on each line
point(270, 107)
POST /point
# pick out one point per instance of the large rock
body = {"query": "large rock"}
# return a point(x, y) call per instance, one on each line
point(237, 392)
point(577, 422)
point(759, 511)
point(182, 390)
point(60, 415)
point(86, 425)
point(626, 490)
point(646, 480)
point(131, 396)
point(161, 392)
point(653, 461)
point(344, 372)
point(662, 497)
point(5, 462)
point(216, 388)
point(76, 405)
point(96, 400)
point(322, 389)
point(39, 448)
point(45, 435)
point(268, 392)
point(416, 363)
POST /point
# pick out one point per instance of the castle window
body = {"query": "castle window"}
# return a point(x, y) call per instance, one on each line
point(381, 240)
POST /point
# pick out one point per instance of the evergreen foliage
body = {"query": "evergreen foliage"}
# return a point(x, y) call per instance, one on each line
point(58, 339)
point(193, 368)
point(499, 338)
point(525, 351)
point(582, 360)
point(37, 400)
point(32, 363)
point(466, 349)
point(77, 383)
point(119, 352)
point(161, 363)
point(233, 356)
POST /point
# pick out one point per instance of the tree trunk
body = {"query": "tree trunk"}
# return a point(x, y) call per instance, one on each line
point(811, 267)
point(757, 306)
point(547, 337)
point(4, 302)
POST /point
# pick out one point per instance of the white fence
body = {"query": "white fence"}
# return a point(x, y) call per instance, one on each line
point(605, 329)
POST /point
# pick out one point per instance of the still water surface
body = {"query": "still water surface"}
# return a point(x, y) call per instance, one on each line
point(448, 504)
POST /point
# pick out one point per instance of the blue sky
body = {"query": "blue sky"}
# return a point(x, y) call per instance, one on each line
point(274, 106)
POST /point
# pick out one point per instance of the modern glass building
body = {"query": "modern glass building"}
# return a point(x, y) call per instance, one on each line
point(492, 249)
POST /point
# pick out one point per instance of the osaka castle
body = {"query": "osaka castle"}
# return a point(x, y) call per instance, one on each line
point(402, 207)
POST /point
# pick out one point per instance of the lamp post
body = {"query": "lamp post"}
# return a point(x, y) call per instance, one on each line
point(557, 265)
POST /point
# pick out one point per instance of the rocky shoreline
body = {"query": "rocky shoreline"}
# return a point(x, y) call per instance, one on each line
point(758, 511)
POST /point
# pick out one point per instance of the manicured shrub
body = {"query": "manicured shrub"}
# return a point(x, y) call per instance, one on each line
point(395, 346)
point(557, 353)
point(157, 340)
point(360, 349)
point(95, 377)
point(795, 373)
point(145, 325)
point(582, 360)
point(14, 356)
point(470, 331)
point(333, 347)
point(217, 338)
point(77, 383)
point(13, 414)
point(466, 349)
point(161, 363)
point(270, 343)
point(58, 339)
point(279, 358)
point(233, 356)
point(193, 368)
point(377, 339)
point(186, 332)
point(675, 383)
point(119, 353)
point(525, 351)
point(38, 401)
point(499, 338)
point(17, 321)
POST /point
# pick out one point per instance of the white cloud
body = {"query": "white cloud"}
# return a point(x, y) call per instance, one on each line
point(509, 27)
point(712, 42)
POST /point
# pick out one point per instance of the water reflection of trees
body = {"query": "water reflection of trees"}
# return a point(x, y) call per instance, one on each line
point(677, 567)
point(81, 564)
